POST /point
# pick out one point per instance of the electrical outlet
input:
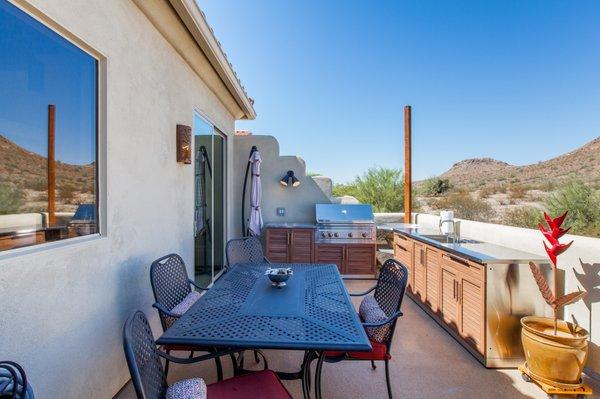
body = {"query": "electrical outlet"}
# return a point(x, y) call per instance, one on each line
point(280, 211)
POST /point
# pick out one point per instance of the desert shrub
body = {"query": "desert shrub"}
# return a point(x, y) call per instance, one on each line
point(465, 206)
point(67, 193)
point(517, 192)
point(435, 186)
point(38, 184)
point(381, 187)
point(583, 204)
point(524, 216)
point(11, 199)
point(488, 191)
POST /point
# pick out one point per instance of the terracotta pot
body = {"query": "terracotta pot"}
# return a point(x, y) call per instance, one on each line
point(558, 359)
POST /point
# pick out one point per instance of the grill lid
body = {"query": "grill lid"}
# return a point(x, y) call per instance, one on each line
point(344, 213)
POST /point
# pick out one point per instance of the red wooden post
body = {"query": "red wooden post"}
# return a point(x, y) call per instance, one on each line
point(51, 166)
point(407, 165)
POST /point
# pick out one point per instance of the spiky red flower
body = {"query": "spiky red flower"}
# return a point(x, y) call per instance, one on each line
point(556, 249)
point(554, 231)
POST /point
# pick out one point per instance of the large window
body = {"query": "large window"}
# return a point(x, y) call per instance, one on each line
point(48, 134)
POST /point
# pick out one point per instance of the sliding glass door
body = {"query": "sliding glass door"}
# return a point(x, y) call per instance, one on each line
point(210, 195)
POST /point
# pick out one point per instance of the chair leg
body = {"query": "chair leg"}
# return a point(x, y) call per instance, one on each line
point(167, 364)
point(234, 364)
point(318, 372)
point(191, 354)
point(219, 369)
point(256, 359)
point(373, 366)
point(387, 378)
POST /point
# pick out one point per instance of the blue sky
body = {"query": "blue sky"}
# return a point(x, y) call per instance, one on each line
point(514, 80)
point(37, 68)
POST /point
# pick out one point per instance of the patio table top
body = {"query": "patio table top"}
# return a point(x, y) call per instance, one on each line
point(242, 309)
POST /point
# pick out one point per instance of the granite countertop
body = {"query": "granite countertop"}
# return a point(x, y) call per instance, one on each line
point(289, 225)
point(478, 251)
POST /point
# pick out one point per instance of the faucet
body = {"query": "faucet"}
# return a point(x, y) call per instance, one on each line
point(455, 236)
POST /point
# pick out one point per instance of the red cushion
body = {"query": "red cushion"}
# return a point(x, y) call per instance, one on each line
point(260, 385)
point(379, 352)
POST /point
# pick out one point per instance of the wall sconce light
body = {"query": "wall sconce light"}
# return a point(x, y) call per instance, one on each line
point(184, 144)
point(289, 179)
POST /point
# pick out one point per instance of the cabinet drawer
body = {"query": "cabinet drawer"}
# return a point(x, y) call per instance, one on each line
point(470, 268)
point(401, 239)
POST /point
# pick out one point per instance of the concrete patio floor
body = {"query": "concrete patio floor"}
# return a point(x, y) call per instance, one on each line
point(426, 363)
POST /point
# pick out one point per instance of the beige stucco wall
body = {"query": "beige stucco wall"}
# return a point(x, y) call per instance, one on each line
point(298, 202)
point(64, 304)
point(584, 249)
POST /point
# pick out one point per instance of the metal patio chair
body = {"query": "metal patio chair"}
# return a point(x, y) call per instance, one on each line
point(389, 292)
point(13, 381)
point(150, 380)
point(244, 250)
point(170, 284)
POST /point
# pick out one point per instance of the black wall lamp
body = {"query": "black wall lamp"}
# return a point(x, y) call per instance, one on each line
point(289, 179)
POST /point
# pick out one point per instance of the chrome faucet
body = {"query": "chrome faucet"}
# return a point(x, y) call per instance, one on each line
point(455, 235)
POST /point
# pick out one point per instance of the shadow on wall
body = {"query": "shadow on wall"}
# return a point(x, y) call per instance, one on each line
point(298, 201)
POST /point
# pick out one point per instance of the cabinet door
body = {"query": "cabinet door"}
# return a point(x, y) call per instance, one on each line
point(472, 317)
point(419, 269)
point(301, 247)
point(277, 245)
point(403, 252)
point(360, 258)
point(449, 305)
point(432, 269)
point(331, 253)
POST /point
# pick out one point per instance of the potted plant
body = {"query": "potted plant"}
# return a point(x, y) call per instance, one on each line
point(555, 350)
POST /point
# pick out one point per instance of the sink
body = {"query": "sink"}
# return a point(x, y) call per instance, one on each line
point(444, 239)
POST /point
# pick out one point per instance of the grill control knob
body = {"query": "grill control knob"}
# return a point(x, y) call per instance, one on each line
point(364, 235)
point(350, 235)
point(336, 235)
point(329, 235)
point(322, 234)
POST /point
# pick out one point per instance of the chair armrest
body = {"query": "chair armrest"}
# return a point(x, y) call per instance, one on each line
point(384, 322)
point(198, 286)
point(366, 292)
point(161, 308)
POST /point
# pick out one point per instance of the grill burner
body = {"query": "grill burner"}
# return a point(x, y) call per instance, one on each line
point(344, 223)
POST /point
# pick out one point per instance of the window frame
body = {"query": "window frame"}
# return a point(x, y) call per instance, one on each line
point(100, 139)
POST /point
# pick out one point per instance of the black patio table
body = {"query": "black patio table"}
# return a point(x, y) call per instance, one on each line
point(313, 313)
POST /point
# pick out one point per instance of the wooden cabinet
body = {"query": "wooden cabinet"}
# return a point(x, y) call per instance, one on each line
point(451, 289)
point(432, 278)
point(360, 259)
point(349, 258)
point(420, 271)
point(331, 253)
point(294, 245)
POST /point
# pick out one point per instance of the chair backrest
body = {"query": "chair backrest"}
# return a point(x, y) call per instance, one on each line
point(13, 381)
point(389, 293)
point(147, 373)
point(244, 250)
point(170, 284)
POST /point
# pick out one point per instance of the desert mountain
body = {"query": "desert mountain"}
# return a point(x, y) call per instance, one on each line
point(583, 163)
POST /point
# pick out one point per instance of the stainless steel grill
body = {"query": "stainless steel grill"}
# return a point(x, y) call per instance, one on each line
point(344, 223)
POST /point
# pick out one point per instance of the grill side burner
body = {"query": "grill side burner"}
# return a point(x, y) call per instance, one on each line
point(345, 224)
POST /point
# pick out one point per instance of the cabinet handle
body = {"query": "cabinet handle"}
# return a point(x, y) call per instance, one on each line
point(422, 257)
point(460, 290)
point(457, 260)
point(453, 289)
point(289, 237)
point(344, 253)
point(402, 248)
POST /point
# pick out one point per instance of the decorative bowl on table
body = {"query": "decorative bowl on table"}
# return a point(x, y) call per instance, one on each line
point(279, 276)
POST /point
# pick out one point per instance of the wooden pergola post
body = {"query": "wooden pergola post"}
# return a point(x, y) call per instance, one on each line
point(51, 166)
point(407, 165)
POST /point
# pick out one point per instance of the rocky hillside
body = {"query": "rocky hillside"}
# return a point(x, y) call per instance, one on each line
point(583, 162)
point(26, 172)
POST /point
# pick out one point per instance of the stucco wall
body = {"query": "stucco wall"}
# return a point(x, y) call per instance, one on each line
point(298, 202)
point(64, 305)
point(584, 249)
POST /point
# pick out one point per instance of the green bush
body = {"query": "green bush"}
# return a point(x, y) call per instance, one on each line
point(381, 187)
point(435, 186)
point(524, 216)
point(583, 204)
point(11, 199)
point(465, 206)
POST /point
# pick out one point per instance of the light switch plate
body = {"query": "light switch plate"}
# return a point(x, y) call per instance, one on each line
point(280, 211)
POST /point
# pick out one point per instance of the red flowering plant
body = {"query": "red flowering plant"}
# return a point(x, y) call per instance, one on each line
point(553, 232)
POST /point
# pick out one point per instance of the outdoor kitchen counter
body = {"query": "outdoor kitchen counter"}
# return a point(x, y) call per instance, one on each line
point(481, 252)
point(289, 225)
